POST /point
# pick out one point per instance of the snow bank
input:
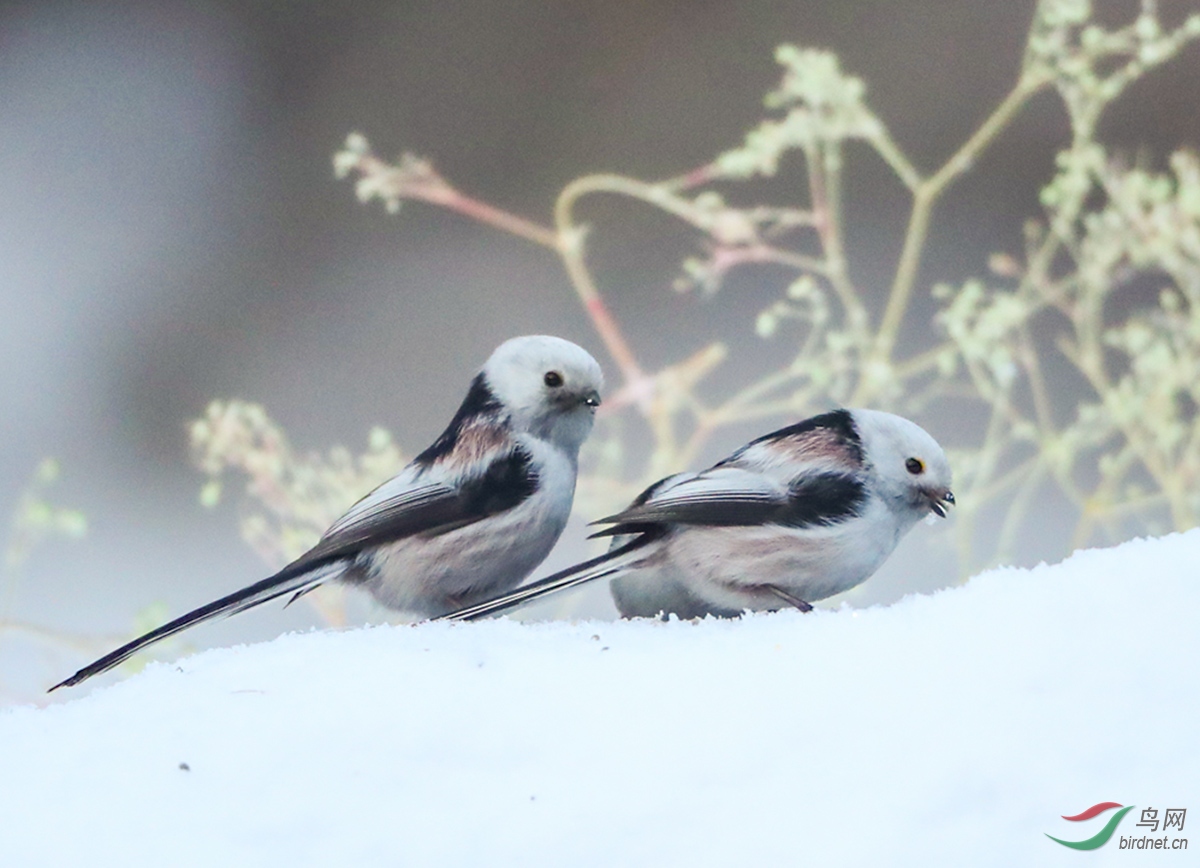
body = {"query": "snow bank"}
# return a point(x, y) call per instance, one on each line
point(951, 729)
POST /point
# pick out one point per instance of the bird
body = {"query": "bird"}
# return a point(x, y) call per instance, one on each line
point(795, 516)
point(470, 517)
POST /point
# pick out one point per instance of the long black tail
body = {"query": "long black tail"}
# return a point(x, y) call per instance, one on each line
point(286, 581)
point(612, 561)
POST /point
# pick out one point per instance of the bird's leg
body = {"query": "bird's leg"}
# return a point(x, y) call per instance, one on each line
point(789, 598)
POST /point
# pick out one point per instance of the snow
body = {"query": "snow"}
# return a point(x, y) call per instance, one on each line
point(951, 729)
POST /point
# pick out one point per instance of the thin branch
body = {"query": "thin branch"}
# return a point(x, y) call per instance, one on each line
point(1017, 508)
point(726, 258)
point(891, 154)
point(1037, 383)
point(925, 195)
point(825, 165)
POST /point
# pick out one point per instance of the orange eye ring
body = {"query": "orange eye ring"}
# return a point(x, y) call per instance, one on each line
point(915, 466)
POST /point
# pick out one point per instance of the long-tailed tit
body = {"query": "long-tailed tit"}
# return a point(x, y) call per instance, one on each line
point(469, 517)
point(801, 514)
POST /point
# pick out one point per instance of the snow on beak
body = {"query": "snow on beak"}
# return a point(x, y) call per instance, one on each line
point(939, 502)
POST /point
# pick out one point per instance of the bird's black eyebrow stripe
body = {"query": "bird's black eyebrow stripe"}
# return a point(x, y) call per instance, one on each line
point(506, 482)
point(823, 499)
point(838, 422)
point(480, 401)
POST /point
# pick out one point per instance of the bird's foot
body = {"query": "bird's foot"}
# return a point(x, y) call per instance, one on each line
point(789, 598)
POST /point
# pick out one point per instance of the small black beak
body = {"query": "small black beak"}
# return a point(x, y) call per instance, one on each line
point(939, 504)
point(592, 399)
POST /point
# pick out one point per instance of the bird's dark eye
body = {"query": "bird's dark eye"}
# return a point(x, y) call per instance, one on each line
point(553, 379)
point(915, 466)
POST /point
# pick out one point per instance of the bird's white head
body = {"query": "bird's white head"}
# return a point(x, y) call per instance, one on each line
point(549, 386)
point(910, 468)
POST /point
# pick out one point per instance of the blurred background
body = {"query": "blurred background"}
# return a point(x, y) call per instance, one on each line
point(172, 232)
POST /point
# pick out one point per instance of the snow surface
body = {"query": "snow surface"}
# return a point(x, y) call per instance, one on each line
point(951, 729)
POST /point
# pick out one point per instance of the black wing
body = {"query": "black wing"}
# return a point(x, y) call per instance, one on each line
point(729, 496)
point(724, 495)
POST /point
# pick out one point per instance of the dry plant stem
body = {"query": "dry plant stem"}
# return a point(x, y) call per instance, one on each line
point(1193, 445)
point(992, 448)
point(697, 177)
point(658, 196)
point(1088, 359)
point(936, 390)
point(569, 246)
point(725, 258)
point(737, 407)
point(746, 406)
point(989, 457)
point(824, 187)
point(652, 194)
point(1087, 354)
point(1037, 384)
point(769, 409)
point(1016, 511)
point(923, 361)
point(437, 191)
point(745, 411)
point(504, 220)
point(1138, 504)
point(925, 195)
point(1003, 415)
point(998, 486)
point(742, 407)
point(891, 154)
point(1100, 505)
